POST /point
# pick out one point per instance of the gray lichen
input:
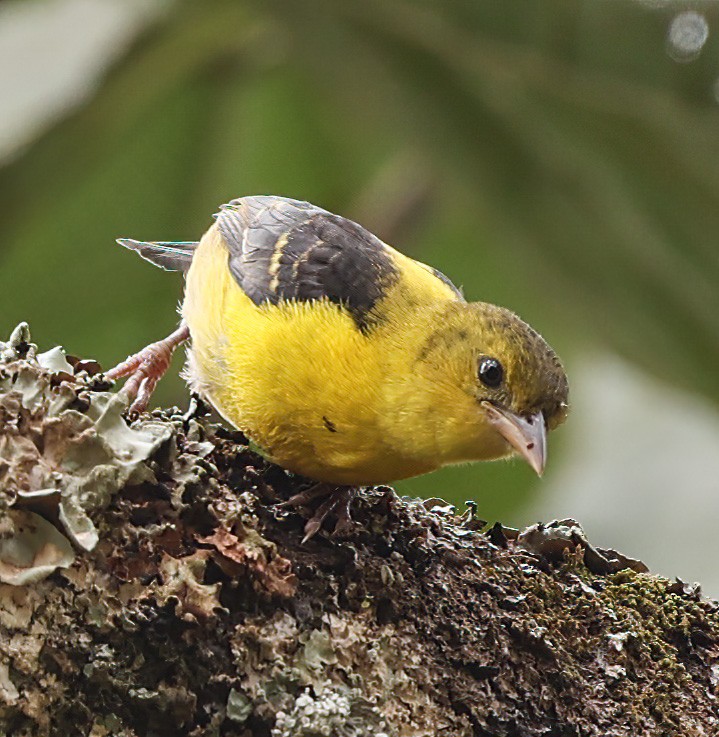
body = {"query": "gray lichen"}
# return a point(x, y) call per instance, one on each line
point(328, 712)
point(151, 586)
point(30, 548)
point(64, 447)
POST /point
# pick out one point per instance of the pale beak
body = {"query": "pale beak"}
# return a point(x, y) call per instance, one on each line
point(527, 435)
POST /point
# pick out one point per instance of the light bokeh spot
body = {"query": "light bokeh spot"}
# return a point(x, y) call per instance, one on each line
point(687, 35)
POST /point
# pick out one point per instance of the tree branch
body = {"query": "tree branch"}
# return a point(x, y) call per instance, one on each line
point(152, 586)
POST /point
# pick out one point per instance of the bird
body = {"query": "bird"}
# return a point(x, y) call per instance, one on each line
point(342, 359)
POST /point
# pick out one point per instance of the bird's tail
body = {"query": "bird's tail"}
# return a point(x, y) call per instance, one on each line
point(171, 255)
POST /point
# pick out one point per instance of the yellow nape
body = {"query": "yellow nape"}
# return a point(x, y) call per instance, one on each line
point(325, 400)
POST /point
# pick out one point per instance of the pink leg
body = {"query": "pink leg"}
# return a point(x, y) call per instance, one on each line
point(337, 500)
point(147, 367)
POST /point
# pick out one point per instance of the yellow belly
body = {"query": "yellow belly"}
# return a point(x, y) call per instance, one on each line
point(298, 378)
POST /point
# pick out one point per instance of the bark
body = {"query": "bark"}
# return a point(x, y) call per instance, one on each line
point(153, 585)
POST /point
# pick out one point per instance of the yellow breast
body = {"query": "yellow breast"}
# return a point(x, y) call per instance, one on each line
point(298, 378)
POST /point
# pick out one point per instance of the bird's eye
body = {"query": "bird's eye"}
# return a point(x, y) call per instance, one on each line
point(491, 372)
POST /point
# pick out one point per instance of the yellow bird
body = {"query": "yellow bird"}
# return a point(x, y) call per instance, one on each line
point(342, 359)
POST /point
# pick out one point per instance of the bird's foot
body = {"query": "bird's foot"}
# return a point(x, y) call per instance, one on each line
point(337, 500)
point(146, 368)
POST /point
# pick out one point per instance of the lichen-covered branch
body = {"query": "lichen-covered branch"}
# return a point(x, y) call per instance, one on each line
point(154, 585)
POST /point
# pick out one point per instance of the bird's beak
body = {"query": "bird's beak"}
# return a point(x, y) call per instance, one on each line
point(527, 435)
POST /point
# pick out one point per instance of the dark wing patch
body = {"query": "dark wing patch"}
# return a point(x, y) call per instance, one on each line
point(171, 256)
point(281, 249)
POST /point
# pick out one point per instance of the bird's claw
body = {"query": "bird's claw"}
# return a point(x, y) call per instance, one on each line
point(307, 496)
point(145, 368)
point(338, 501)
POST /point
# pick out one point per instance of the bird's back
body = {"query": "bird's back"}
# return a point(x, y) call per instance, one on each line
point(281, 249)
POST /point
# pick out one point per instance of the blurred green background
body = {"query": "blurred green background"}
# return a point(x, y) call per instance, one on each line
point(556, 157)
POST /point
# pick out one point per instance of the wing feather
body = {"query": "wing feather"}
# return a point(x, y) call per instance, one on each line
point(282, 249)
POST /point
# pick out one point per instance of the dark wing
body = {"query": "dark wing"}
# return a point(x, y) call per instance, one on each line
point(282, 249)
point(171, 256)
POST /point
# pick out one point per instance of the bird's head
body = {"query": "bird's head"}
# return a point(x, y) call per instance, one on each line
point(500, 385)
